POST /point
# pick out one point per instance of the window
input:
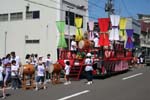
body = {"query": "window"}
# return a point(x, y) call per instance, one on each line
point(16, 16)
point(3, 17)
point(71, 18)
point(33, 15)
point(32, 41)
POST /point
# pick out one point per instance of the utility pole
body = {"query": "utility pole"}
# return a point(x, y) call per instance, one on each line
point(109, 7)
point(68, 18)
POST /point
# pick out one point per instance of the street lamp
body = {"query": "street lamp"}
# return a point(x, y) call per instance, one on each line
point(5, 42)
point(68, 18)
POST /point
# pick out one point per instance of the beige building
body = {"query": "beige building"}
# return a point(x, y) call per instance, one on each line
point(29, 26)
point(145, 32)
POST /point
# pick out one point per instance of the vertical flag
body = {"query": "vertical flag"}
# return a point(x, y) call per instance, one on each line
point(61, 27)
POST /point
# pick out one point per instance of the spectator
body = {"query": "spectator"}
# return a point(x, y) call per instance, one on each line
point(18, 64)
point(14, 75)
point(7, 69)
point(73, 45)
point(96, 39)
point(35, 60)
point(40, 74)
point(67, 72)
point(89, 68)
point(2, 85)
point(28, 59)
point(48, 63)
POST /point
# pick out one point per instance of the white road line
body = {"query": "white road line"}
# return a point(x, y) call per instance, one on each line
point(6, 88)
point(132, 76)
point(73, 95)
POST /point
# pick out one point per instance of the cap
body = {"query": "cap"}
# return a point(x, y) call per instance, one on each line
point(88, 55)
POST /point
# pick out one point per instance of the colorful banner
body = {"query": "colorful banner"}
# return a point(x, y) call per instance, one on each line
point(103, 25)
point(79, 34)
point(114, 33)
point(61, 27)
point(129, 43)
point(91, 27)
point(122, 26)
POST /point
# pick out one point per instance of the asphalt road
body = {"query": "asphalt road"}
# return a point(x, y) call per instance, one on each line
point(132, 85)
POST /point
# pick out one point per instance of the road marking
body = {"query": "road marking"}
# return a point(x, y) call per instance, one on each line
point(73, 95)
point(132, 76)
point(6, 88)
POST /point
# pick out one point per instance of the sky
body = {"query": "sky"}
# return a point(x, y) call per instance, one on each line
point(124, 8)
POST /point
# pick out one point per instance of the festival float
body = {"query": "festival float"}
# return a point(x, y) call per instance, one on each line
point(113, 55)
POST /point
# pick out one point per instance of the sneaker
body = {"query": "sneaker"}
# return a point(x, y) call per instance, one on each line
point(91, 82)
point(36, 89)
point(44, 87)
point(66, 83)
point(88, 83)
point(4, 97)
point(69, 82)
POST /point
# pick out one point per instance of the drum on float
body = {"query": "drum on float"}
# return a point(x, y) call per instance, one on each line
point(55, 68)
point(27, 69)
point(84, 44)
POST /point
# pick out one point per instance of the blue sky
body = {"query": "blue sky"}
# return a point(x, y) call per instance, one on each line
point(124, 8)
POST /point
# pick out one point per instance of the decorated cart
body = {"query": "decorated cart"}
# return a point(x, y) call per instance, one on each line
point(114, 51)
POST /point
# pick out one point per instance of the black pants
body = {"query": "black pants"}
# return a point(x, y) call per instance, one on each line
point(47, 75)
point(15, 82)
point(89, 75)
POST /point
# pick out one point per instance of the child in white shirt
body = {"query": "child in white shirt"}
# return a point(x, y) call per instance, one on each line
point(40, 74)
point(14, 75)
point(89, 68)
point(67, 72)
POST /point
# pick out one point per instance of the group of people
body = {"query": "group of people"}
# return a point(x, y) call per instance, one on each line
point(88, 69)
point(11, 64)
point(41, 67)
point(10, 70)
point(9, 67)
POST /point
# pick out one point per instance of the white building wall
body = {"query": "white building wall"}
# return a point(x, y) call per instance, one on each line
point(43, 29)
point(84, 13)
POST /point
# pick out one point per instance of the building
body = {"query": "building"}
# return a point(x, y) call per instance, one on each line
point(145, 32)
point(29, 26)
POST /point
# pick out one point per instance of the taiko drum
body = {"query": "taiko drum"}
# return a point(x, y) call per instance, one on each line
point(85, 44)
point(55, 68)
point(28, 69)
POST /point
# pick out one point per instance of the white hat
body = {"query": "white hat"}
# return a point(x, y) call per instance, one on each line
point(88, 55)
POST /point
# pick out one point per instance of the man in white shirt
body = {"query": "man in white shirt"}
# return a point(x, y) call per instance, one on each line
point(48, 63)
point(18, 63)
point(73, 44)
point(96, 39)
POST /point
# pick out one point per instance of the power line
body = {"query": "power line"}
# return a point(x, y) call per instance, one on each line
point(94, 4)
point(129, 13)
point(34, 2)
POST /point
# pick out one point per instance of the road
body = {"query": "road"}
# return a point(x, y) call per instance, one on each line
point(132, 85)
